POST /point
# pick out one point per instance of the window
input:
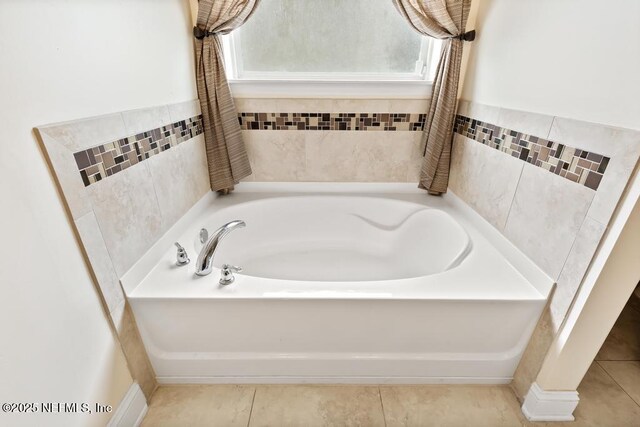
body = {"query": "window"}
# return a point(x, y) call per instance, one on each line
point(329, 40)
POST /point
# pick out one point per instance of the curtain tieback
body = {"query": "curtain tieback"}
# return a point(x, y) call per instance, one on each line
point(199, 33)
point(469, 36)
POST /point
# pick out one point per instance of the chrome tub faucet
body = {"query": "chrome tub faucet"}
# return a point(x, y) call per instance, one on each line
point(204, 264)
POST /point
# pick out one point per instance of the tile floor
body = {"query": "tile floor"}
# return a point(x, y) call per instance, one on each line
point(603, 403)
point(609, 396)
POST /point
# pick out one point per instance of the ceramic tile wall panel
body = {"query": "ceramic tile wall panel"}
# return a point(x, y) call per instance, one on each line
point(102, 161)
point(363, 157)
point(545, 217)
point(119, 218)
point(577, 165)
point(311, 105)
point(62, 140)
point(325, 154)
point(525, 122)
point(621, 145)
point(144, 119)
point(485, 178)
point(276, 156)
point(180, 178)
point(485, 113)
point(574, 269)
point(127, 210)
point(333, 156)
point(101, 264)
point(556, 221)
point(183, 110)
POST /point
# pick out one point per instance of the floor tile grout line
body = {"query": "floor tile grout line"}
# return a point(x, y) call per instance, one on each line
point(618, 384)
point(253, 400)
point(384, 416)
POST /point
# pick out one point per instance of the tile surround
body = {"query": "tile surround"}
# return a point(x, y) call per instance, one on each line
point(484, 178)
point(105, 160)
point(545, 217)
point(554, 217)
point(333, 121)
point(574, 164)
point(334, 156)
point(119, 218)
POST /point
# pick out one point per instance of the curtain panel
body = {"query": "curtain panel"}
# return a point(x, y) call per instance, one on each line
point(445, 20)
point(226, 154)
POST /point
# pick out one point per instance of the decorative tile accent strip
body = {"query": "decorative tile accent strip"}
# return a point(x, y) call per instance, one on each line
point(574, 164)
point(333, 121)
point(107, 159)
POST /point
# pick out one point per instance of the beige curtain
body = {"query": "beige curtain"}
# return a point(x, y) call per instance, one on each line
point(226, 153)
point(441, 19)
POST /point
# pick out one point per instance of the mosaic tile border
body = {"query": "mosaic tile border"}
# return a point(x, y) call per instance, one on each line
point(333, 121)
point(580, 166)
point(97, 163)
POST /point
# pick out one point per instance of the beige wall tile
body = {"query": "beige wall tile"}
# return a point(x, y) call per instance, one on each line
point(180, 178)
point(413, 171)
point(100, 261)
point(330, 157)
point(523, 121)
point(317, 406)
point(533, 355)
point(257, 105)
point(486, 113)
point(409, 105)
point(184, 110)
point(81, 134)
point(361, 156)
point(451, 406)
point(622, 145)
point(383, 156)
point(128, 214)
point(314, 105)
point(574, 269)
point(194, 405)
point(303, 105)
point(136, 354)
point(67, 175)
point(276, 155)
point(144, 119)
point(545, 217)
point(485, 178)
point(363, 106)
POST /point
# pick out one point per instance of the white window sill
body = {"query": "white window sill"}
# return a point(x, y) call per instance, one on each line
point(388, 89)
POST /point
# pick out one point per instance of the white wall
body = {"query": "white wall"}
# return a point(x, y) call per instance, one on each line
point(61, 61)
point(569, 58)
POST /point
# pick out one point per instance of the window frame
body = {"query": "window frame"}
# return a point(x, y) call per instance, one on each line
point(416, 85)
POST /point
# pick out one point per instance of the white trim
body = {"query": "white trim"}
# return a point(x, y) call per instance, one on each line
point(332, 380)
point(131, 410)
point(541, 405)
point(388, 89)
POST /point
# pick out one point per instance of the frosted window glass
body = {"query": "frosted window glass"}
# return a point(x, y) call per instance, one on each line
point(318, 36)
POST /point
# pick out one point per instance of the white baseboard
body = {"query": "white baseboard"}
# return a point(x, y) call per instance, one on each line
point(541, 405)
point(131, 409)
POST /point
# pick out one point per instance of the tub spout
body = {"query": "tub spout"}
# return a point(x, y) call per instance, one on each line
point(204, 265)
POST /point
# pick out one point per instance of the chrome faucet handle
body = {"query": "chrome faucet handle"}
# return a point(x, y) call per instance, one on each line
point(226, 274)
point(181, 257)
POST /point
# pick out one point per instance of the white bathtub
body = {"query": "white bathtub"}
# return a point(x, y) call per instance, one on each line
point(342, 283)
